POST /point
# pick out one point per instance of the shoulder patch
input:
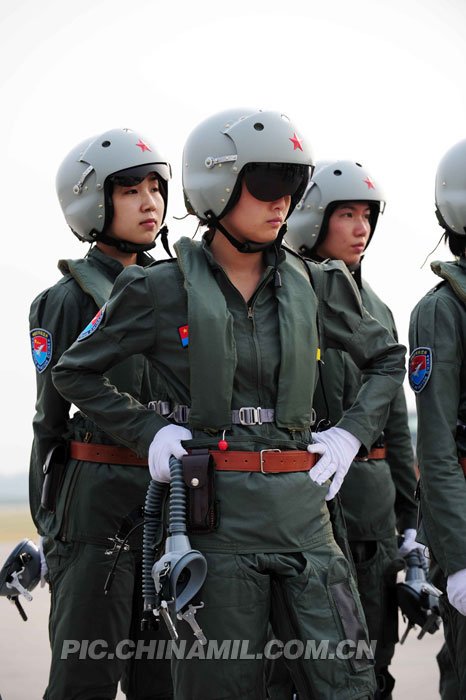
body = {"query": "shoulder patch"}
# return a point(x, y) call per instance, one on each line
point(420, 368)
point(41, 348)
point(93, 325)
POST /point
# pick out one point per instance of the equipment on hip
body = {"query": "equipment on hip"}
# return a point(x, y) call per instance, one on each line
point(418, 599)
point(20, 574)
point(172, 584)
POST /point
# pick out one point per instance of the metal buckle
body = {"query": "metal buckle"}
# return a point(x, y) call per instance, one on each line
point(160, 407)
point(262, 458)
point(249, 415)
point(181, 413)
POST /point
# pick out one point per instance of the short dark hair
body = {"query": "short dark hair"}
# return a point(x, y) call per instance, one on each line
point(456, 242)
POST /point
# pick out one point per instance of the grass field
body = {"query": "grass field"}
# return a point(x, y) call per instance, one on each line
point(16, 523)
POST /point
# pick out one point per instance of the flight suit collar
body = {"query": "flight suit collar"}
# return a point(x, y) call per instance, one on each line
point(454, 273)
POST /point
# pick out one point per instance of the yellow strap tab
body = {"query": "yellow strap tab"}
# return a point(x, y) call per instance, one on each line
point(318, 355)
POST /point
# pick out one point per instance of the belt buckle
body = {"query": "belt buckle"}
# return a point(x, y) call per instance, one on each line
point(249, 415)
point(262, 458)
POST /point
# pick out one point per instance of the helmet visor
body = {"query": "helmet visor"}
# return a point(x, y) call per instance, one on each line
point(134, 176)
point(271, 181)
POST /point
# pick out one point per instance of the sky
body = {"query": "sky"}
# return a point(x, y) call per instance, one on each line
point(378, 82)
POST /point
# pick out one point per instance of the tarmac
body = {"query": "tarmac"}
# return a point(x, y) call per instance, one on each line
point(25, 654)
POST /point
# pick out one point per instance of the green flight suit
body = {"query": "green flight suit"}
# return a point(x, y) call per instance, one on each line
point(438, 323)
point(274, 539)
point(377, 495)
point(91, 504)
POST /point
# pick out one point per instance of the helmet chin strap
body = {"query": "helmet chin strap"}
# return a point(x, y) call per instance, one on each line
point(246, 246)
point(129, 247)
point(251, 246)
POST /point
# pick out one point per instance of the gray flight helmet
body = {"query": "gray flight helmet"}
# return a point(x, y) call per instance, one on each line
point(82, 176)
point(217, 150)
point(332, 181)
point(450, 189)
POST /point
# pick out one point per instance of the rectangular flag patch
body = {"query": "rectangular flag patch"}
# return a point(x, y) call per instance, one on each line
point(184, 335)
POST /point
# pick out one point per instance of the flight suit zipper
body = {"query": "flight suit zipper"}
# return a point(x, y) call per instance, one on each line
point(250, 315)
point(250, 312)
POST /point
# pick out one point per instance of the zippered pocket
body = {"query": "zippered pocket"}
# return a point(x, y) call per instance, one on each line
point(66, 497)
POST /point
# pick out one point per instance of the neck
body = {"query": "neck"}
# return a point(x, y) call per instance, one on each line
point(124, 258)
point(243, 271)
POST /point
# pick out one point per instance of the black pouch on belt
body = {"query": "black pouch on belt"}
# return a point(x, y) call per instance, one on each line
point(199, 477)
point(54, 470)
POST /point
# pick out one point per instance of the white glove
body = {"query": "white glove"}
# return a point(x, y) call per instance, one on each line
point(409, 542)
point(337, 448)
point(167, 442)
point(44, 569)
point(456, 590)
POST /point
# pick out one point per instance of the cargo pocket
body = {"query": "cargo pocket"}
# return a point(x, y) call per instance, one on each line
point(348, 609)
point(54, 522)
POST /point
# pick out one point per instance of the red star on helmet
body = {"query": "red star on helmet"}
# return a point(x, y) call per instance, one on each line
point(369, 183)
point(143, 146)
point(296, 141)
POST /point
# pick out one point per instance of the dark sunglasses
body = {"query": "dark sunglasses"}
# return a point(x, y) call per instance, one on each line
point(271, 181)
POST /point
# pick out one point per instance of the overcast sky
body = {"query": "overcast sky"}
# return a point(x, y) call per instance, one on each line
point(381, 82)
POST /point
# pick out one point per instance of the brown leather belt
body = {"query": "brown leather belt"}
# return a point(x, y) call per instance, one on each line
point(265, 461)
point(463, 464)
point(105, 454)
point(376, 453)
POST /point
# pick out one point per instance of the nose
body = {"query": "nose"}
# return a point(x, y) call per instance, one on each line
point(148, 202)
point(362, 227)
point(282, 204)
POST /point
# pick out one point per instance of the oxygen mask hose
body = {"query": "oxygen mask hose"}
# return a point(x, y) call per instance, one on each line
point(152, 538)
point(180, 573)
point(177, 520)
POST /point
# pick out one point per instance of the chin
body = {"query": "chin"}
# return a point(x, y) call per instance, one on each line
point(353, 261)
